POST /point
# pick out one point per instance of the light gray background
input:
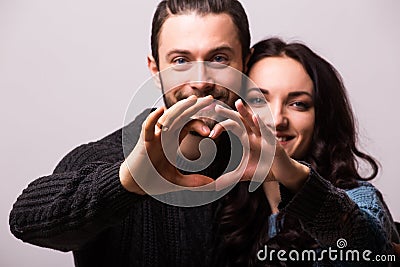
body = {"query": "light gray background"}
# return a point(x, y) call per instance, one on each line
point(69, 68)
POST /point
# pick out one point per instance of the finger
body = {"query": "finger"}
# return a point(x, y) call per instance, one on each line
point(197, 126)
point(226, 125)
point(177, 109)
point(177, 120)
point(264, 130)
point(150, 123)
point(193, 180)
point(201, 103)
point(233, 115)
point(181, 119)
point(231, 178)
point(270, 177)
point(247, 117)
point(229, 114)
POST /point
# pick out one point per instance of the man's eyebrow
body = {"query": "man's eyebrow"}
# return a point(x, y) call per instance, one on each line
point(291, 94)
point(221, 49)
point(178, 51)
point(212, 51)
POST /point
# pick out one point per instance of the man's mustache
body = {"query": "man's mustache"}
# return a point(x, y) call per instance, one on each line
point(220, 95)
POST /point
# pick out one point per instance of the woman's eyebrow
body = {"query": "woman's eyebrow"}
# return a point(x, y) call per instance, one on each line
point(291, 94)
point(299, 93)
point(264, 91)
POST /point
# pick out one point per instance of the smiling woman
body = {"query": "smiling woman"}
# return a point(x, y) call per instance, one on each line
point(289, 92)
point(69, 68)
point(318, 196)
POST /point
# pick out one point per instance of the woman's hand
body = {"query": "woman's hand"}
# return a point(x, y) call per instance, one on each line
point(263, 149)
point(258, 143)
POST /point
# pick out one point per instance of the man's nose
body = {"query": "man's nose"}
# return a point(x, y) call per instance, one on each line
point(202, 80)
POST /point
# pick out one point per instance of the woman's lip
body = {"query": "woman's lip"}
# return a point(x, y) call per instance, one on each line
point(284, 143)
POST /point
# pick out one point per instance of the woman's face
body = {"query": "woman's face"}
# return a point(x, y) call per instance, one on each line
point(287, 88)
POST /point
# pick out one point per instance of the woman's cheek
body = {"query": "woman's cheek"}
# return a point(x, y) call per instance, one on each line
point(264, 113)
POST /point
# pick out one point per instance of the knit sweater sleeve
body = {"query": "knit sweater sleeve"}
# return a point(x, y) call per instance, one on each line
point(81, 199)
point(358, 215)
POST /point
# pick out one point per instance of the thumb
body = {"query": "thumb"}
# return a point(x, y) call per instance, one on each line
point(193, 180)
point(197, 126)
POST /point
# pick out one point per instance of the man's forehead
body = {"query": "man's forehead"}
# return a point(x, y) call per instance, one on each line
point(206, 32)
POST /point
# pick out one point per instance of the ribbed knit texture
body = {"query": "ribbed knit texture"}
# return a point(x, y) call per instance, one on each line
point(357, 215)
point(82, 207)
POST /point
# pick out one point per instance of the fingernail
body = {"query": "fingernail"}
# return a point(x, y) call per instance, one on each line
point(238, 103)
point(211, 135)
point(165, 128)
point(191, 97)
point(205, 129)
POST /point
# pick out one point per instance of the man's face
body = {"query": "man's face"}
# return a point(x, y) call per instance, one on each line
point(189, 38)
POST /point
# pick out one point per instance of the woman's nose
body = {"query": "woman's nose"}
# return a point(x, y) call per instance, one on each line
point(280, 119)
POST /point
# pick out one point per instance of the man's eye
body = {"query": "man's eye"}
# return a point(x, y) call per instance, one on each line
point(179, 60)
point(221, 59)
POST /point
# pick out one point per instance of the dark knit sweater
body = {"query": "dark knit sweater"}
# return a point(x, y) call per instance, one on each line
point(82, 207)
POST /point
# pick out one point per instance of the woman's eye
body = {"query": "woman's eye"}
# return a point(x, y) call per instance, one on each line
point(300, 105)
point(256, 101)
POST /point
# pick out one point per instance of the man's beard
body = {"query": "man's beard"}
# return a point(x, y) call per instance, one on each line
point(208, 116)
point(219, 94)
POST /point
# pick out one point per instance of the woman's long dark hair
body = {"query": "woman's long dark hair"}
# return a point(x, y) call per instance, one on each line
point(243, 217)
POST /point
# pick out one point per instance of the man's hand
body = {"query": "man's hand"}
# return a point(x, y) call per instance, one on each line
point(150, 168)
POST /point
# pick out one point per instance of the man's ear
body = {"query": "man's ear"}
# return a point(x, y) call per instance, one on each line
point(152, 65)
point(246, 61)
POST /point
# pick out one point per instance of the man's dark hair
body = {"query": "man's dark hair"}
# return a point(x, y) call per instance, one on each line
point(233, 8)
